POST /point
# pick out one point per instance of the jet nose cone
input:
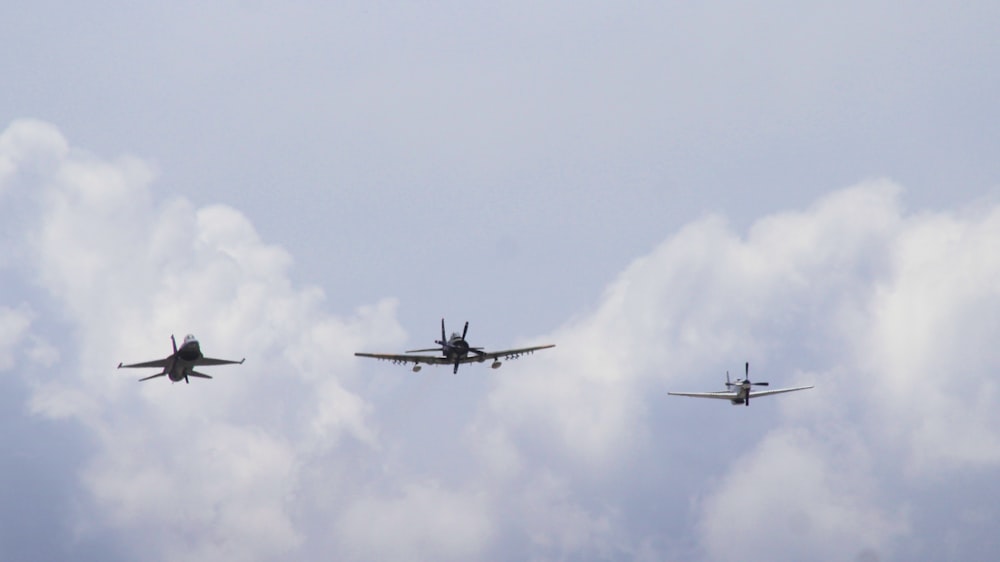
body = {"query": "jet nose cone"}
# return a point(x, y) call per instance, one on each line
point(190, 350)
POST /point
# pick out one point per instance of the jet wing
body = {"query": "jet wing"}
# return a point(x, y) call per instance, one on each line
point(506, 354)
point(757, 393)
point(402, 359)
point(210, 361)
point(159, 363)
point(724, 394)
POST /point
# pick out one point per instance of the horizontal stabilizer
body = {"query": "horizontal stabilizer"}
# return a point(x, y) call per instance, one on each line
point(199, 375)
point(152, 377)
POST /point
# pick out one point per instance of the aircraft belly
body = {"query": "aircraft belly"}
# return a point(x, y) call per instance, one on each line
point(177, 373)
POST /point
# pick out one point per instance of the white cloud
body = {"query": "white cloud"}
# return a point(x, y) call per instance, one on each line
point(793, 498)
point(930, 345)
point(14, 324)
point(702, 296)
point(891, 314)
point(26, 145)
point(208, 467)
point(424, 521)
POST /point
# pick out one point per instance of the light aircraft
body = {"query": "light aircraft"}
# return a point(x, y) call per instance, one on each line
point(454, 351)
point(739, 392)
point(181, 363)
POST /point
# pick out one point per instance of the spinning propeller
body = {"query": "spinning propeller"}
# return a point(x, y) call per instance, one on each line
point(745, 383)
point(456, 347)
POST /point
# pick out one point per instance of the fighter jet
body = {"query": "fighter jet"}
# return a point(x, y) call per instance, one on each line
point(181, 363)
point(739, 392)
point(454, 351)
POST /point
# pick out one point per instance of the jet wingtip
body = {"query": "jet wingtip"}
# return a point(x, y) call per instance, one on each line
point(120, 364)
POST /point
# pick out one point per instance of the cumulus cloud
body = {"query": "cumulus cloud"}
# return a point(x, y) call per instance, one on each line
point(575, 452)
point(200, 473)
point(425, 520)
point(888, 313)
point(795, 495)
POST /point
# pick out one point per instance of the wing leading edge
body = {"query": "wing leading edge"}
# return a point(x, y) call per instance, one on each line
point(759, 393)
point(210, 361)
point(724, 395)
point(159, 363)
point(401, 359)
point(506, 354)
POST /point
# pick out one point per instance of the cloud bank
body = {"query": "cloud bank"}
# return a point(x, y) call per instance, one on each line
point(574, 453)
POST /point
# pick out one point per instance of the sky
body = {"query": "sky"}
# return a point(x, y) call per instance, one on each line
point(665, 191)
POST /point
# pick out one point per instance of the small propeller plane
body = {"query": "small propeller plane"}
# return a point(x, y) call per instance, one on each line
point(181, 363)
point(739, 392)
point(454, 351)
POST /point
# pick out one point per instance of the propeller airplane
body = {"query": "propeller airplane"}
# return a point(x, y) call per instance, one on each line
point(454, 350)
point(740, 392)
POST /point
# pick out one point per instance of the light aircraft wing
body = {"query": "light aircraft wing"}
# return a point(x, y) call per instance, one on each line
point(210, 361)
point(159, 363)
point(506, 354)
point(724, 394)
point(757, 393)
point(401, 359)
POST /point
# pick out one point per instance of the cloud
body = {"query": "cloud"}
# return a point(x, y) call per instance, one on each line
point(14, 323)
point(575, 452)
point(201, 472)
point(793, 496)
point(889, 313)
point(425, 521)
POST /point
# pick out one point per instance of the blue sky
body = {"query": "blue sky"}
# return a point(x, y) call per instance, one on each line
point(664, 191)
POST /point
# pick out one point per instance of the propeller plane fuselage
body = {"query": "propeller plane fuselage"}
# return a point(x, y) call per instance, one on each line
point(180, 365)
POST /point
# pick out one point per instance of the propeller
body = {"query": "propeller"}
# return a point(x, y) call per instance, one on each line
point(748, 384)
point(459, 347)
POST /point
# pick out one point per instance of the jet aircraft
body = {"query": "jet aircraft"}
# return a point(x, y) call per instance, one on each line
point(739, 392)
point(454, 351)
point(181, 363)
